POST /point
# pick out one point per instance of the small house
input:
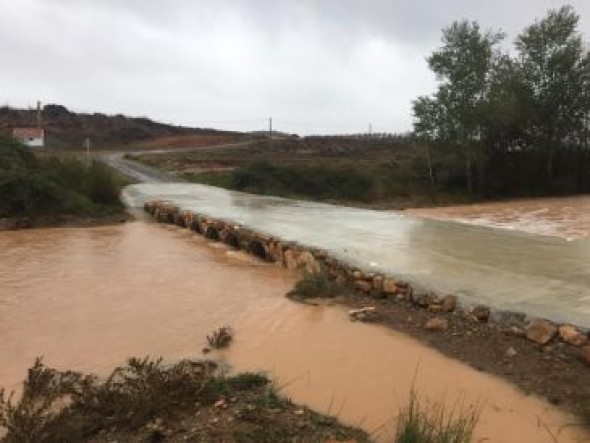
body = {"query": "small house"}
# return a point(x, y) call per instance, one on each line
point(32, 137)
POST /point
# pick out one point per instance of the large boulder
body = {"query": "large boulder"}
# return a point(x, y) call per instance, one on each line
point(481, 312)
point(449, 303)
point(572, 336)
point(290, 259)
point(308, 262)
point(541, 331)
point(363, 285)
point(390, 286)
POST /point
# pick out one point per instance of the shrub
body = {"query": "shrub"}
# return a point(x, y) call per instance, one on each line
point(221, 337)
point(316, 284)
point(14, 155)
point(69, 406)
point(101, 185)
point(23, 193)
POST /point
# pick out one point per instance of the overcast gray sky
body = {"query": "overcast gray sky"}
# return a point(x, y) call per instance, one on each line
point(323, 66)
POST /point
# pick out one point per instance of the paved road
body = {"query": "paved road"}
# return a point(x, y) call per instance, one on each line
point(148, 174)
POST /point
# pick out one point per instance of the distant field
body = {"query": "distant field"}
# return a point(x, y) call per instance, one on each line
point(186, 141)
point(375, 173)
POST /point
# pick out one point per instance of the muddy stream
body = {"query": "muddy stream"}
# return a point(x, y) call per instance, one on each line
point(88, 299)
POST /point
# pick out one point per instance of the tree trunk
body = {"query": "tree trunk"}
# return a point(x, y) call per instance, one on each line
point(469, 172)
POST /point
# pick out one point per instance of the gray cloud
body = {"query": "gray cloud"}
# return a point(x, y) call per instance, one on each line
point(316, 66)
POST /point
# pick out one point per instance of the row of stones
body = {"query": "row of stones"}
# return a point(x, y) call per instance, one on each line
point(294, 256)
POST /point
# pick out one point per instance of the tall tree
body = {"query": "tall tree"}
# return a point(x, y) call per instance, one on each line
point(556, 72)
point(463, 66)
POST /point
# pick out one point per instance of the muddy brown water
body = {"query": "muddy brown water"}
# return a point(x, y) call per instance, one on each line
point(88, 299)
point(566, 217)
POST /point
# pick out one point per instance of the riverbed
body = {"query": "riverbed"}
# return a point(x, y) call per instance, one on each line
point(87, 299)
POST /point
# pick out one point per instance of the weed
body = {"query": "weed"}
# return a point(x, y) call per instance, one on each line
point(420, 422)
point(316, 284)
point(69, 406)
point(221, 337)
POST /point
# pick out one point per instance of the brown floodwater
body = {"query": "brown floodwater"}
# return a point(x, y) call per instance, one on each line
point(567, 217)
point(87, 299)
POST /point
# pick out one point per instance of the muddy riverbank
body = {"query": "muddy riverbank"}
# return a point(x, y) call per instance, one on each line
point(88, 298)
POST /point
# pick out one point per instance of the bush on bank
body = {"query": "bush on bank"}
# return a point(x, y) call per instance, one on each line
point(38, 186)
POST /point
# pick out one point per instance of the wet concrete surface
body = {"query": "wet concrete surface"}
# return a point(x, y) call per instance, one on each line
point(541, 275)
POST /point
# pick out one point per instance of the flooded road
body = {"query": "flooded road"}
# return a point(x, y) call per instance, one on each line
point(566, 217)
point(89, 298)
point(541, 275)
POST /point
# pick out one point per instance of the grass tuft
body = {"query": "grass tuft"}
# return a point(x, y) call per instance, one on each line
point(422, 422)
point(221, 337)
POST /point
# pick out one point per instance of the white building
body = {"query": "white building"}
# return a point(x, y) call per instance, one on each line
point(33, 137)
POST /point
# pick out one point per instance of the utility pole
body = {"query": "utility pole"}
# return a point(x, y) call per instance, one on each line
point(39, 120)
point(270, 126)
point(87, 146)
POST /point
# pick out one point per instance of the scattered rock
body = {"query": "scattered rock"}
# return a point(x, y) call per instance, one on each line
point(511, 318)
point(572, 336)
point(206, 350)
point(390, 286)
point(364, 314)
point(435, 308)
point(422, 300)
point(515, 331)
point(290, 259)
point(511, 352)
point(378, 283)
point(437, 324)
point(299, 412)
point(481, 313)
point(541, 331)
point(357, 275)
point(586, 354)
point(221, 403)
point(449, 303)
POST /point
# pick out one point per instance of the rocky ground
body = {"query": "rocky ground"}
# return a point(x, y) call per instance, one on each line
point(251, 416)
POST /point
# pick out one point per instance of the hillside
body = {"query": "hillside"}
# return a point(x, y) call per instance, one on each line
point(68, 130)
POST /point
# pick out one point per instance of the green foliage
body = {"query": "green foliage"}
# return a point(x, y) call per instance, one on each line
point(316, 284)
point(53, 186)
point(321, 182)
point(492, 110)
point(23, 193)
point(14, 156)
point(420, 422)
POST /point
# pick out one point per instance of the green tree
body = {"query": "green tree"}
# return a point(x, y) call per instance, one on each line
point(556, 73)
point(454, 115)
